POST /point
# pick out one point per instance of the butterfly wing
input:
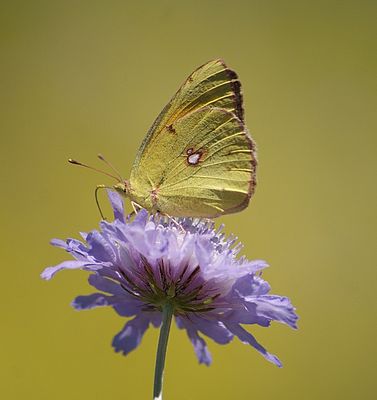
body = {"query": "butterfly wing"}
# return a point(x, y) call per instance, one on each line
point(198, 158)
point(213, 168)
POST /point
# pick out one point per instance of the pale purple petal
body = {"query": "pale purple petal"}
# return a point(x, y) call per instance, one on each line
point(106, 285)
point(248, 338)
point(128, 307)
point(73, 246)
point(91, 301)
point(126, 261)
point(213, 329)
point(145, 241)
point(59, 243)
point(251, 285)
point(123, 303)
point(254, 266)
point(203, 250)
point(141, 219)
point(200, 347)
point(100, 249)
point(245, 314)
point(274, 308)
point(130, 336)
point(117, 205)
point(155, 318)
point(49, 272)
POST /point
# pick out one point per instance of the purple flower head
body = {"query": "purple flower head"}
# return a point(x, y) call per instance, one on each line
point(139, 266)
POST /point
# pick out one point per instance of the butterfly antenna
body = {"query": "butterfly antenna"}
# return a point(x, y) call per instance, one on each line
point(70, 160)
point(102, 158)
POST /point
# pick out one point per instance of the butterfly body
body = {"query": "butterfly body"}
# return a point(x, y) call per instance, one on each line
point(197, 159)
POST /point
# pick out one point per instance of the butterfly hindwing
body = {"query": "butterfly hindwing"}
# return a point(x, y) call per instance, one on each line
point(215, 172)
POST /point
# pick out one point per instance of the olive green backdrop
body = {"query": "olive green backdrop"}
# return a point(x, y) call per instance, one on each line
point(82, 77)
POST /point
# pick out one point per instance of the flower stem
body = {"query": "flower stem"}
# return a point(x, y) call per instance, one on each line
point(167, 314)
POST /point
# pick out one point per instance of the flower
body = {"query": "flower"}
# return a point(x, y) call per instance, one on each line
point(137, 266)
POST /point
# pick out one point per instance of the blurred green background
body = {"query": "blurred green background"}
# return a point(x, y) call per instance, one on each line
point(82, 77)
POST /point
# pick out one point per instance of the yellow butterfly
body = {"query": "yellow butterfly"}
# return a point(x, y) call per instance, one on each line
point(197, 159)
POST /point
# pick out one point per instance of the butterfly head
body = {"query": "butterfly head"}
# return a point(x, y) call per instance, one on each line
point(123, 188)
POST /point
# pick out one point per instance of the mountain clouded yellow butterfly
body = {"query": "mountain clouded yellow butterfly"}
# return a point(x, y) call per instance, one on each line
point(197, 159)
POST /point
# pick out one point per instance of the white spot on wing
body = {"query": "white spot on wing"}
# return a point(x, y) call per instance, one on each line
point(193, 158)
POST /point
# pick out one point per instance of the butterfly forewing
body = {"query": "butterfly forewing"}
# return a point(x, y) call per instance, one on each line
point(212, 84)
point(198, 158)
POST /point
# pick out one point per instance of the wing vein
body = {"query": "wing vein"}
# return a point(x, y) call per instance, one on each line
point(204, 187)
point(200, 145)
point(227, 82)
point(195, 171)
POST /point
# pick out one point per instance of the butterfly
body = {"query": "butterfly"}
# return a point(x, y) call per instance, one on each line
point(197, 159)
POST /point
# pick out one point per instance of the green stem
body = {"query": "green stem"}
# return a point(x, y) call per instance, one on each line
point(167, 314)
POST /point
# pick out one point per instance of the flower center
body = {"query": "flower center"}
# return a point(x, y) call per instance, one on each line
point(188, 292)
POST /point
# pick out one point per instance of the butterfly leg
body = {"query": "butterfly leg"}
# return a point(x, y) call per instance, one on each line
point(97, 201)
point(175, 222)
point(136, 207)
